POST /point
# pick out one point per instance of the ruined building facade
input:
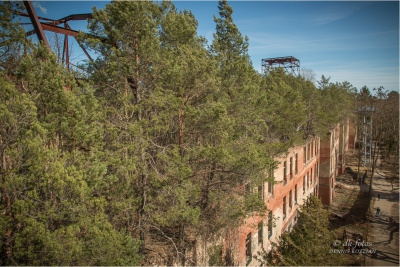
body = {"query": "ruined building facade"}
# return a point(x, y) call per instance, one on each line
point(306, 170)
point(332, 160)
point(296, 179)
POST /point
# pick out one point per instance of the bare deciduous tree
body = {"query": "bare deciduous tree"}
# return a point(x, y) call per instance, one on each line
point(308, 74)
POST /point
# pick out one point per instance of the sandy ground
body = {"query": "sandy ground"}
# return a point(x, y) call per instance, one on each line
point(384, 228)
point(351, 211)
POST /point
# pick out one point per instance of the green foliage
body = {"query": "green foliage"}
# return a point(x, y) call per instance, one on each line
point(215, 256)
point(50, 167)
point(336, 102)
point(13, 44)
point(85, 243)
point(228, 42)
point(284, 108)
point(154, 149)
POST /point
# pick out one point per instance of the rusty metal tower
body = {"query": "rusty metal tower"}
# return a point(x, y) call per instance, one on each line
point(53, 26)
point(290, 64)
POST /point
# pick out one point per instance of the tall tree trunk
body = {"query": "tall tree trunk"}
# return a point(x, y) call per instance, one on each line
point(137, 82)
point(135, 85)
point(180, 118)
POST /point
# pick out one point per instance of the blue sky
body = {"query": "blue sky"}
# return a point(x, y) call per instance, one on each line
point(348, 41)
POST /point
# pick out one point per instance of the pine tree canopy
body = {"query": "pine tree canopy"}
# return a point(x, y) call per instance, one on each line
point(157, 149)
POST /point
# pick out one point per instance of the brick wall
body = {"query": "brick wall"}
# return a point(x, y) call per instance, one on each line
point(332, 161)
point(318, 164)
point(305, 172)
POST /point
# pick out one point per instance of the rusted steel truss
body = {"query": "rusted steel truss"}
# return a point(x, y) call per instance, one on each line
point(56, 29)
point(290, 64)
point(35, 21)
point(52, 25)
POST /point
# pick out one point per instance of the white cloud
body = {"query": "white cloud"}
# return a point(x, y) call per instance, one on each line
point(38, 5)
point(327, 18)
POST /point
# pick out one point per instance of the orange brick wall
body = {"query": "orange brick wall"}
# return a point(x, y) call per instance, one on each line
point(328, 157)
point(331, 163)
point(274, 202)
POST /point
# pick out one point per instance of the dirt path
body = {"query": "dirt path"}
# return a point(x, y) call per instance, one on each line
point(384, 229)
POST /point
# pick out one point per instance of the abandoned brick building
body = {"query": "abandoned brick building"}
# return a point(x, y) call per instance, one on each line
point(308, 169)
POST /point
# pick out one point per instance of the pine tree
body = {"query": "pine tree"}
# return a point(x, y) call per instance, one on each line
point(284, 108)
point(51, 166)
point(239, 102)
point(13, 43)
point(123, 78)
point(336, 103)
point(164, 143)
point(153, 190)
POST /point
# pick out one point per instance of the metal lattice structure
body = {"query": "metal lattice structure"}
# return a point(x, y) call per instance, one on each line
point(366, 145)
point(290, 64)
point(53, 26)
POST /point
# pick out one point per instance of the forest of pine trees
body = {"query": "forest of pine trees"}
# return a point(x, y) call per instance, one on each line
point(152, 148)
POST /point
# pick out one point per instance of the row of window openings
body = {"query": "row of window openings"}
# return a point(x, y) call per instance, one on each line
point(291, 166)
point(249, 251)
point(270, 228)
point(260, 188)
point(315, 192)
point(309, 151)
point(260, 235)
point(306, 158)
point(290, 201)
point(307, 180)
point(291, 175)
